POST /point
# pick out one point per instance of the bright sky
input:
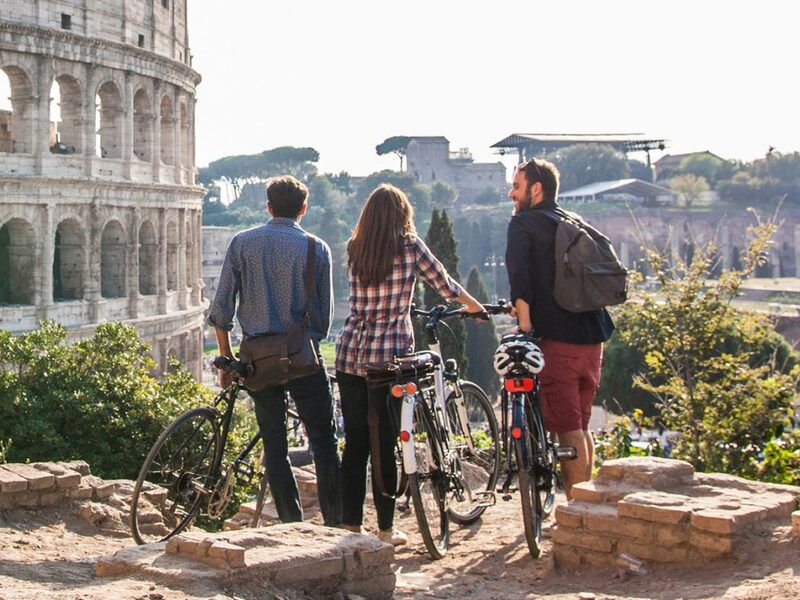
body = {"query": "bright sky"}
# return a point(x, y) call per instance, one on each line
point(343, 76)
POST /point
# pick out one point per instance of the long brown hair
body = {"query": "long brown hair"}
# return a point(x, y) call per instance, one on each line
point(385, 223)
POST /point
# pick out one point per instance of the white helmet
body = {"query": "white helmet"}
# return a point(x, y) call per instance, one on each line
point(517, 350)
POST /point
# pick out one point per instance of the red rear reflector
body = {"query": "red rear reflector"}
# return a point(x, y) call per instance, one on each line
point(516, 433)
point(404, 436)
point(411, 388)
point(519, 385)
point(397, 390)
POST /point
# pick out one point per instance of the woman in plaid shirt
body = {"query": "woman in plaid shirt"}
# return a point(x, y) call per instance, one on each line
point(385, 256)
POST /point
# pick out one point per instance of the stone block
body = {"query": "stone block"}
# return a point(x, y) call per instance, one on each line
point(654, 552)
point(582, 539)
point(604, 519)
point(11, 482)
point(642, 469)
point(83, 492)
point(657, 507)
point(796, 523)
point(173, 545)
point(727, 522)
point(590, 491)
point(37, 480)
point(383, 555)
point(298, 574)
point(65, 478)
point(80, 466)
point(100, 489)
point(715, 543)
point(27, 499)
point(203, 547)
point(571, 514)
point(565, 555)
point(51, 499)
point(670, 535)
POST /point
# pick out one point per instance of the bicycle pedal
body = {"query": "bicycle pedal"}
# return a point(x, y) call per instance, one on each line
point(486, 498)
point(506, 497)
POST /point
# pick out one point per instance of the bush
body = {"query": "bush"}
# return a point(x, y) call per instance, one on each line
point(94, 400)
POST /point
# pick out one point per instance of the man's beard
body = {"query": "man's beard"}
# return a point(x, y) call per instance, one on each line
point(526, 203)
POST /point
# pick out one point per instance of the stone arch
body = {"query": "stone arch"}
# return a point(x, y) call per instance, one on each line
point(167, 124)
point(17, 262)
point(172, 353)
point(184, 133)
point(16, 125)
point(69, 261)
point(110, 110)
point(142, 126)
point(66, 115)
point(148, 260)
point(113, 272)
point(173, 246)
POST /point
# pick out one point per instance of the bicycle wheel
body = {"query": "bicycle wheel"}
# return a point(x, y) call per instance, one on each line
point(428, 485)
point(177, 476)
point(478, 467)
point(529, 489)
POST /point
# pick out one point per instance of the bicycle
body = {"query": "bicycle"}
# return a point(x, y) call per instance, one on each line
point(448, 437)
point(185, 475)
point(531, 453)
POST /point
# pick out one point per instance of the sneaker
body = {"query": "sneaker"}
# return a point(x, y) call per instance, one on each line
point(353, 528)
point(393, 536)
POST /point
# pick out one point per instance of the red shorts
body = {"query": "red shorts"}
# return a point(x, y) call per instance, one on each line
point(568, 384)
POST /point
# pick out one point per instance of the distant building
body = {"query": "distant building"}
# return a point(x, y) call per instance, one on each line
point(430, 159)
point(634, 190)
point(669, 164)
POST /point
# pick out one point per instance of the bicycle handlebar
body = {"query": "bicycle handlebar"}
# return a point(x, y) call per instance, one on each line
point(230, 365)
point(441, 312)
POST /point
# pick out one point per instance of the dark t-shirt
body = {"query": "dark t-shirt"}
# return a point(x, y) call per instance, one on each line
point(530, 261)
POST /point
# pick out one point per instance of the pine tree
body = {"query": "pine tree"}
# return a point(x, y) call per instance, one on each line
point(442, 243)
point(481, 341)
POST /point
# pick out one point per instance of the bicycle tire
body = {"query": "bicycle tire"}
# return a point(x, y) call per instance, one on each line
point(165, 498)
point(530, 498)
point(428, 484)
point(478, 470)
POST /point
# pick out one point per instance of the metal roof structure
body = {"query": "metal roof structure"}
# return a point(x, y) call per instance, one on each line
point(533, 144)
point(633, 187)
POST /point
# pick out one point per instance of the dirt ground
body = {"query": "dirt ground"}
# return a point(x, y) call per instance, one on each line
point(51, 554)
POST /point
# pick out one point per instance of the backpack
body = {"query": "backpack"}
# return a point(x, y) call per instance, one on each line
point(589, 275)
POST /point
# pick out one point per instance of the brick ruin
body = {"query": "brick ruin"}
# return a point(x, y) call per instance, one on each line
point(660, 510)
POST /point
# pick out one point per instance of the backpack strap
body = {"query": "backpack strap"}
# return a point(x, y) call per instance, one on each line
point(310, 257)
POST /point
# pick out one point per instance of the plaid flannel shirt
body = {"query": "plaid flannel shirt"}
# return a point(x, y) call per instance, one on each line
point(378, 327)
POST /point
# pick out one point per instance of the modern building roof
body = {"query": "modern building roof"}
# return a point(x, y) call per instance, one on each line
point(634, 187)
point(544, 142)
point(670, 160)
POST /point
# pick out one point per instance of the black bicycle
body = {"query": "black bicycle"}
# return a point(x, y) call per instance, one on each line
point(186, 476)
point(531, 453)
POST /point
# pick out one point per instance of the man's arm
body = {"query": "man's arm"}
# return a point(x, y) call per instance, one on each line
point(224, 345)
point(523, 315)
point(519, 248)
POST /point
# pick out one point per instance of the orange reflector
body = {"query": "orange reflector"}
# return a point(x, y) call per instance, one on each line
point(397, 390)
point(404, 436)
point(524, 384)
point(516, 432)
point(411, 388)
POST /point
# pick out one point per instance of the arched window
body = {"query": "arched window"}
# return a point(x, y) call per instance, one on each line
point(112, 261)
point(148, 260)
point(65, 115)
point(16, 110)
point(17, 262)
point(167, 132)
point(142, 126)
point(109, 121)
point(172, 256)
point(68, 261)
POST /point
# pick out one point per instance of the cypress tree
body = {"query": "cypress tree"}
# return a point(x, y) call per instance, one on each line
point(442, 243)
point(481, 340)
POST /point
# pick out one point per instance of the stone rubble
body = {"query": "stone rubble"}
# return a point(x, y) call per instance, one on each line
point(660, 510)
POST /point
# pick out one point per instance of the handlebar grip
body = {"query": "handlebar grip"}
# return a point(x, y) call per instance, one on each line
point(482, 315)
point(228, 364)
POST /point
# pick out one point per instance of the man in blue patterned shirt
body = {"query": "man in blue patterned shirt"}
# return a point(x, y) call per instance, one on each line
point(264, 272)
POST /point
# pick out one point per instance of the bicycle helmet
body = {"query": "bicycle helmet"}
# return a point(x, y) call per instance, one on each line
point(514, 352)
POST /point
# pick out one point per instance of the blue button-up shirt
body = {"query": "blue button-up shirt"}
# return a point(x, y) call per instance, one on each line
point(264, 273)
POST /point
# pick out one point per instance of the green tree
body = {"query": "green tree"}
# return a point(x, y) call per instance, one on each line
point(94, 399)
point(418, 194)
point(397, 144)
point(715, 371)
point(581, 164)
point(443, 245)
point(690, 187)
point(481, 341)
point(709, 167)
point(443, 194)
point(490, 195)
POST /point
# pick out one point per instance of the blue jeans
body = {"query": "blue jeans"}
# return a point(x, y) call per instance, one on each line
point(312, 397)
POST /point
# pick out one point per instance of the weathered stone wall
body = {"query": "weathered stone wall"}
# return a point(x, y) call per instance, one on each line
point(661, 510)
point(105, 225)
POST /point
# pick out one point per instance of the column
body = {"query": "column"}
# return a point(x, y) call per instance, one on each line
point(156, 156)
point(197, 271)
point(93, 283)
point(127, 124)
point(182, 233)
point(89, 118)
point(177, 159)
point(40, 112)
point(133, 263)
point(45, 251)
point(162, 261)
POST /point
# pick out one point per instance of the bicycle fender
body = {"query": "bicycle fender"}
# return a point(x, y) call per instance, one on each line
point(407, 424)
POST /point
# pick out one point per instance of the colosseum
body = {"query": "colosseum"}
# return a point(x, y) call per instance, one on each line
point(100, 215)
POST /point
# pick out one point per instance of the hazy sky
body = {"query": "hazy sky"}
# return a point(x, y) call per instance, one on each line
point(342, 76)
